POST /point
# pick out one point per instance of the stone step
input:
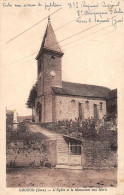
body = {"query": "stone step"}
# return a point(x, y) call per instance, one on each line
point(63, 147)
point(62, 144)
point(62, 153)
point(58, 146)
point(78, 167)
point(59, 150)
point(60, 140)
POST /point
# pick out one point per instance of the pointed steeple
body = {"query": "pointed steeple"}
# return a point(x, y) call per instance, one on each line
point(49, 41)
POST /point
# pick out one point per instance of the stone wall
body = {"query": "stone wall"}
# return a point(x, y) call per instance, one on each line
point(97, 154)
point(31, 154)
point(65, 108)
point(94, 154)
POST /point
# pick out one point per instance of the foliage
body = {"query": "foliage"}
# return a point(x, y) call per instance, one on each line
point(9, 121)
point(22, 127)
point(90, 129)
point(108, 135)
point(32, 95)
point(23, 134)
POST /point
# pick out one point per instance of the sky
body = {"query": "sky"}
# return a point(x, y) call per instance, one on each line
point(96, 58)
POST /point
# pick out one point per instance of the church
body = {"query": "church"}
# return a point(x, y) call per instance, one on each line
point(60, 100)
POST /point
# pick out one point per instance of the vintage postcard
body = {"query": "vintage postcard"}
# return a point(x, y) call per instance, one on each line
point(61, 71)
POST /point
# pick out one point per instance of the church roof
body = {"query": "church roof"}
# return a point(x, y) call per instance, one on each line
point(84, 90)
point(112, 94)
point(49, 40)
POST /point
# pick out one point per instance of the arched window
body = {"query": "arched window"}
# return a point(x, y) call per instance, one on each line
point(87, 105)
point(101, 106)
point(73, 103)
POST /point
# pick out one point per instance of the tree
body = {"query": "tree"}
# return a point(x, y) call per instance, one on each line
point(31, 99)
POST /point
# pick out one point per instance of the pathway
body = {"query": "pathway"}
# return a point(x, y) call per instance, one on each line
point(36, 128)
point(64, 160)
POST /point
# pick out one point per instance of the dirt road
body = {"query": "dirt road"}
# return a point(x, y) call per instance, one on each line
point(45, 177)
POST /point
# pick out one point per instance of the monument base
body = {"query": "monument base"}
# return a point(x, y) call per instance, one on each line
point(15, 126)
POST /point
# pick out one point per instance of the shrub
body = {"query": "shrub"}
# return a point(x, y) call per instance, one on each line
point(22, 127)
point(9, 121)
point(47, 164)
point(108, 135)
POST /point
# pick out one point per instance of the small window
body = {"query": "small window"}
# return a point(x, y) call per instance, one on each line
point(73, 103)
point(101, 106)
point(87, 105)
point(53, 57)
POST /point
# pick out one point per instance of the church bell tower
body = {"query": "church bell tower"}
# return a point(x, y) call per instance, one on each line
point(49, 74)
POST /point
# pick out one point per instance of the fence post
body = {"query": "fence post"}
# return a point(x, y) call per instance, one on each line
point(81, 155)
point(69, 155)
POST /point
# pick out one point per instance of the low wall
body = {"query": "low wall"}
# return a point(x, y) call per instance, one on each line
point(98, 154)
point(94, 154)
point(31, 154)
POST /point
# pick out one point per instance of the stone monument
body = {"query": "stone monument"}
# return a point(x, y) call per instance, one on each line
point(15, 122)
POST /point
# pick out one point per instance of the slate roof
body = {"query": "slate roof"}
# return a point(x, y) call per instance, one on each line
point(84, 90)
point(49, 41)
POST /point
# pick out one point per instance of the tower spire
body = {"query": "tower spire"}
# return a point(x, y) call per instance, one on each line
point(49, 40)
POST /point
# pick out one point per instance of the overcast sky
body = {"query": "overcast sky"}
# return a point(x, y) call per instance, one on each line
point(95, 59)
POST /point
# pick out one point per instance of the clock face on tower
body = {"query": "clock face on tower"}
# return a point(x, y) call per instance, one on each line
point(52, 73)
